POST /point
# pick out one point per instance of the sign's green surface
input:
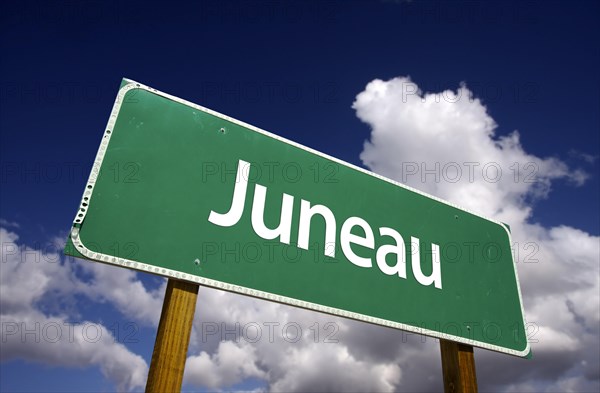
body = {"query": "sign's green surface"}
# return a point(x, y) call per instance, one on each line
point(181, 191)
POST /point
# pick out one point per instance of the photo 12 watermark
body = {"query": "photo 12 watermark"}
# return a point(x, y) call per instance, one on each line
point(67, 332)
point(270, 331)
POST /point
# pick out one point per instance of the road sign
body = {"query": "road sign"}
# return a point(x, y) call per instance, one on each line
point(187, 193)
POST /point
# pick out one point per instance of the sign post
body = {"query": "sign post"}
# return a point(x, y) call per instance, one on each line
point(198, 197)
point(172, 338)
point(458, 367)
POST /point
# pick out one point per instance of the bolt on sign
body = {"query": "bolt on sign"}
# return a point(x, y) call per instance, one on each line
point(184, 192)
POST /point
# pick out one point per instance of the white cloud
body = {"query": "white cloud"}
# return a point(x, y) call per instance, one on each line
point(445, 144)
point(33, 336)
point(231, 363)
point(30, 282)
point(27, 274)
point(124, 286)
point(289, 348)
point(317, 368)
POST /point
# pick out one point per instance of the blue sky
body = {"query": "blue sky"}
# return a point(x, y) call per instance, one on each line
point(295, 69)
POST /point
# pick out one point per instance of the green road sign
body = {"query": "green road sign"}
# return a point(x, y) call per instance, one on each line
point(184, 192)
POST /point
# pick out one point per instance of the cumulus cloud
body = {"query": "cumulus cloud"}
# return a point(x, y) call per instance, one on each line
point(231, 363)
point(36, 325)
point(33, 336)
point(124, 286)
point(289, 349)
point(446, 144)
point(317, 368)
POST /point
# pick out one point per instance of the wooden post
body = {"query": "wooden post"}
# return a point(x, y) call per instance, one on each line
point(458, 367)
point(172, 337)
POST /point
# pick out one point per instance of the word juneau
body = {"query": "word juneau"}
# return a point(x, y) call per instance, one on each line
point(307, 212)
